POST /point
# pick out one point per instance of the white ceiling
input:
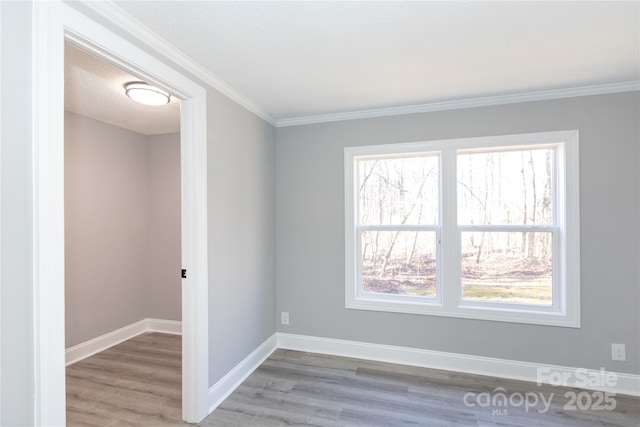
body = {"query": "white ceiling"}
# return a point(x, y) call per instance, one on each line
point(311, 58)
point(95, 88)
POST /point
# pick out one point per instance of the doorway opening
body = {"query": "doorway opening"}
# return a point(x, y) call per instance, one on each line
point(122, 248)
point(54, 24)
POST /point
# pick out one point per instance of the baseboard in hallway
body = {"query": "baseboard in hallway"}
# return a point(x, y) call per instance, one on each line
point(103, 342)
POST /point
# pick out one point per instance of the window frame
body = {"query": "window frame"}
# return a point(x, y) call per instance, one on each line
point(565, 308)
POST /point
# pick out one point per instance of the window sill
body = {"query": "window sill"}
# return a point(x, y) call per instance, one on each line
point(476, 313)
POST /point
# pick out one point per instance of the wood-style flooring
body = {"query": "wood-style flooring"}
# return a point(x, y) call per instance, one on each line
point(138, 383)
point(294, 388)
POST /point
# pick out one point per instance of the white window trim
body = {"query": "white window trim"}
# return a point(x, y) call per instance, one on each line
point(566, 309)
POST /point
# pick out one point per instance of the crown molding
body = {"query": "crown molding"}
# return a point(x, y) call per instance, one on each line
point(464, 103)
point(121, 19)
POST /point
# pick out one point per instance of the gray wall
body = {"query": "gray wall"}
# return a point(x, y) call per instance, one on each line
point(241, 210)
point(122, 227)
point(164, 286)
point(16, 269)
point(241, 219)
point(310, 233)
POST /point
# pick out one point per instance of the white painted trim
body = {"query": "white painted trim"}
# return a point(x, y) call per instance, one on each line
point(628, 384)
point(464, 103)
point(53, 22)
point(115, 15)
point(96, 345)
point(227, 384)
point(195, 288)
point(173, 327)
point(0, 210)
point(48, 215)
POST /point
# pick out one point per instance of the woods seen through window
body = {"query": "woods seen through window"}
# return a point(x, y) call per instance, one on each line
point(477, 227)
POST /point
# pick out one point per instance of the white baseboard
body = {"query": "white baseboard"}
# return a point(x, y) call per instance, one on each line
point(103, 342)
point(628, 384)
point(173, 327)
point(227, 384)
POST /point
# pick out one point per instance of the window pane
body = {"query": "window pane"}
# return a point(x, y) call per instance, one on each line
point(399, 262)
point(510, 267)
point(402, 190)
point(505, 187)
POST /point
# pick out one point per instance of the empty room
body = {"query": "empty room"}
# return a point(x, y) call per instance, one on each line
point(122, 241)
point(352, 214)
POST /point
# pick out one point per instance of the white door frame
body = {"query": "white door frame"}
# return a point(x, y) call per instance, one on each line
point(53, 24)
point(0, 213)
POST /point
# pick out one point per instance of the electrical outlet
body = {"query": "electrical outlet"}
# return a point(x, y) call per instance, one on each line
point(618, 352)
point(284, 317)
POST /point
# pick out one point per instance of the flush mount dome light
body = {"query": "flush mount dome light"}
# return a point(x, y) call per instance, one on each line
point(146, 94)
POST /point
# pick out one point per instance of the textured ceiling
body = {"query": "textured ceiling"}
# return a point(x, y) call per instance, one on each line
point(95, 88)
point(297, 59)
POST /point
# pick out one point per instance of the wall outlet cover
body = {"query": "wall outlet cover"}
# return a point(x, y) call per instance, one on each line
point(618, 352)
point(284, 317)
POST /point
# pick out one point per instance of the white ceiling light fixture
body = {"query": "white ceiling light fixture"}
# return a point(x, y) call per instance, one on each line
point(146, 94)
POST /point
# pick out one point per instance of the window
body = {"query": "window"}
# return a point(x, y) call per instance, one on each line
point(484, 228)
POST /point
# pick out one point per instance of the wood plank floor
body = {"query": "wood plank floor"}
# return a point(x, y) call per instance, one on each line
point(138, 383)
point(294, 388)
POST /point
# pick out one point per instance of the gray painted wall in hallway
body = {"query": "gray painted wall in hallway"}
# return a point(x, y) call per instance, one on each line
point(165, 236)
point(106, 233)
point(310, 233)
point(122, 228)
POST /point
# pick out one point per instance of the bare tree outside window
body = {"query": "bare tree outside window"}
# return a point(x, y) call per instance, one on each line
point(483, 228)
point(397, 196)
point(506, 188)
